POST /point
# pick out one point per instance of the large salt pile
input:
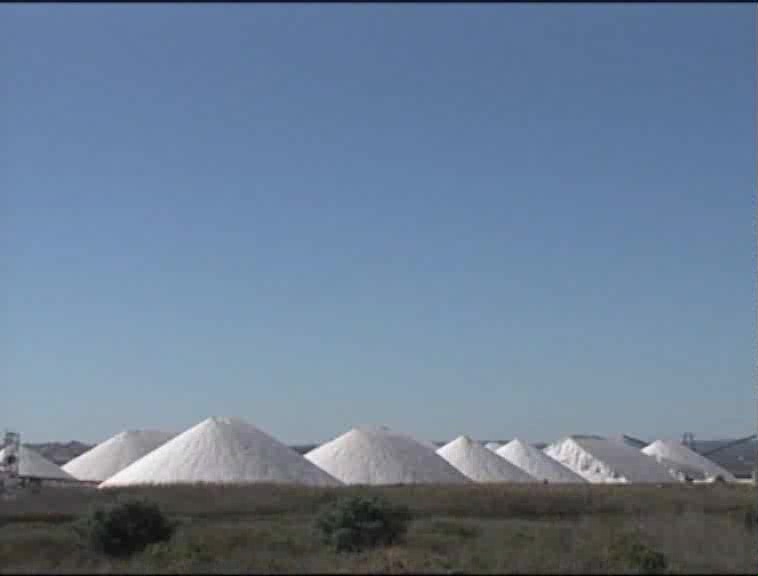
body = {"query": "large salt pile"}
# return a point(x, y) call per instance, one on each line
point(221, 450)
point(115, 454)
point(32, 465)
point(680, 459)
point(537, 463)
point(480, 464)
point(380, 456)
point(604, 461)
point(682, 472)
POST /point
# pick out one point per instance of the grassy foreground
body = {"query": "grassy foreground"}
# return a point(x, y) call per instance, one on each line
point(478, 528)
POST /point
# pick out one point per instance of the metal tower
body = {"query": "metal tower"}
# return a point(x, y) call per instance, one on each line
point(9, 463)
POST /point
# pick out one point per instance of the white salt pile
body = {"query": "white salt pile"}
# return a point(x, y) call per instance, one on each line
point(480, 464)
point(603, 461)
point(381, 456)
point(494, 446)
point(115, 454)
point(681, 472)
point(681, 459)
point(33, 465)
point(221, 450)
point(537, 463)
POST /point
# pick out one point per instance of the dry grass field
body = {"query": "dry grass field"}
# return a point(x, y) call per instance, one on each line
point(455, 529)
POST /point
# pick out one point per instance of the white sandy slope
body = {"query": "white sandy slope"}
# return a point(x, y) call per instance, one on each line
point(494, 446)
point(537, 463)
point(683, 458)
point(33, 465)
point(377, 455)
point(480, 464)
point(221, 450)
point(115, 454)
point(599, 460)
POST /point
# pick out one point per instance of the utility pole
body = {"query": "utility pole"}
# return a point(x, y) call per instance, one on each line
point(755, 247)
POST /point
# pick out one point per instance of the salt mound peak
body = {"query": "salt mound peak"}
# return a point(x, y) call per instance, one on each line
point(603, 461)
point(33, 465)
point(679, 457)
point(480, 464)
point(377, 455)
point(537, 463)
point(115, 454)
point(221, 450)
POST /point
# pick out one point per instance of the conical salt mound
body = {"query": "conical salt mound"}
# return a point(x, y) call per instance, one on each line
point(380, 456)
point(221, 450)
point(480, 464)
point(494, 446)
point(682, 457)
point(115, 454)
point(33, 465)
point(537, 463)
point(681, 472)
point(598, 460)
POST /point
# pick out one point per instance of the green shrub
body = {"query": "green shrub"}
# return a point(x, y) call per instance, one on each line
point(126, 527)
point(354, 523)
point(629, 552)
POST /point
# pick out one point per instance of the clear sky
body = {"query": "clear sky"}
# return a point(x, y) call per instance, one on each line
point(497, 220)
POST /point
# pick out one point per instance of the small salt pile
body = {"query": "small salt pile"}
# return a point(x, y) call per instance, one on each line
point(221, 450)
point(494, 446)
point(380, 456)
point(33, 465)
point(480, 464)
point(115, 454)
point(599, 460)
point(537, 463)
point(682, 460)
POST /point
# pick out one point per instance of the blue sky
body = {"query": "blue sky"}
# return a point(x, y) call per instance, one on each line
point(497, 220)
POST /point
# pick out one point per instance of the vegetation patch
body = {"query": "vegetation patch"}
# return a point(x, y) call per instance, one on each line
point(126, 527)
point(355, 523)
point(629, 551)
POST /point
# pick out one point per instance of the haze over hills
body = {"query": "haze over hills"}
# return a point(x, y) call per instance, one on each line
point(60, 452)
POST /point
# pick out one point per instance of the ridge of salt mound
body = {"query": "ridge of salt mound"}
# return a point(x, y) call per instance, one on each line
point(680, 458)
point(221, 450)
point(494, 446)
point(34, 465)
point(115, 454)
point(537, 463)
point(377, 455)
point(480, 464)
point(603, 461)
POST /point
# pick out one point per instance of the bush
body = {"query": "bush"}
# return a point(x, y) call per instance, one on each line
point(127, 527)
point(355, 523)
point(632, 553)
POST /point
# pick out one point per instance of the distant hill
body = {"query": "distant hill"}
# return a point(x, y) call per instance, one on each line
point(738, 459)
point(59, 452)
point(630, 441)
